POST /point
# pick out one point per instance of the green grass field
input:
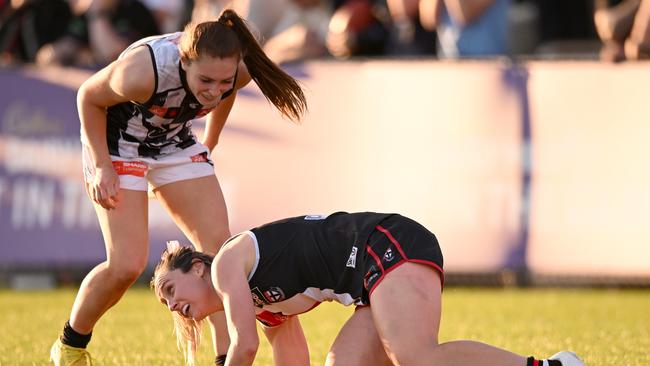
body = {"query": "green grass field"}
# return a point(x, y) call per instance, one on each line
point(605, 327)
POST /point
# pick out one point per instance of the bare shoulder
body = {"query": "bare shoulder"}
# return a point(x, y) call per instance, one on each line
point(238, 252)
point(133, 76)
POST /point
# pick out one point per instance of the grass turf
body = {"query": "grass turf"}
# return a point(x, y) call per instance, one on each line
point(605, 327)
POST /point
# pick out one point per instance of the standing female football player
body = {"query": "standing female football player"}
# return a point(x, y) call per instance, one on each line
point(135, 128)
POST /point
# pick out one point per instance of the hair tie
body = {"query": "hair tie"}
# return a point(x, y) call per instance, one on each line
point(227, 22)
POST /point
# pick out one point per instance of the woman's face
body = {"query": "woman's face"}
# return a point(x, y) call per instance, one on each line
point(209, 77)
point(188, 293)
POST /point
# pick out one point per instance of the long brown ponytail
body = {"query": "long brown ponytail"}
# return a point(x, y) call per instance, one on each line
point(278, 87)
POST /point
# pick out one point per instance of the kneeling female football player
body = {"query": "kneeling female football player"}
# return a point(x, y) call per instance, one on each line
point(389, 266)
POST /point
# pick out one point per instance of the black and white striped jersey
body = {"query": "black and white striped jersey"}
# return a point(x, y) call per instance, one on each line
point(162, 125)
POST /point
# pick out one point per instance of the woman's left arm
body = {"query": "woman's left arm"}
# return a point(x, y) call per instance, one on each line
point(216, 119)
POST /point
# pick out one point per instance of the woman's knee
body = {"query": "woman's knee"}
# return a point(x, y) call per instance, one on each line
point(127, 270)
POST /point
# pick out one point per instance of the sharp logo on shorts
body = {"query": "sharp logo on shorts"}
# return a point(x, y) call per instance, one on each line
point(136, 168)
point(200, 158)
point(258, 298)
point(274, 294)
point(389, 255)
point(352, 261)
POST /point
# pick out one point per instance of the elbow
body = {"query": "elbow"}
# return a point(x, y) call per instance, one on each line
point(82, 93)
point(245, 351)
point(249, 353)
point(250, 346)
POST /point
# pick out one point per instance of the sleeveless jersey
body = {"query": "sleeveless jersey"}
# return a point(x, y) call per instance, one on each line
point(305, 260)
point(162, 125)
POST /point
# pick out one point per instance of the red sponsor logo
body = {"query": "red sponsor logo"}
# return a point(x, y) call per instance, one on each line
point(158, 111)
point(163, 112)
point(136, 168)
point(200, 158)
point(202, 112)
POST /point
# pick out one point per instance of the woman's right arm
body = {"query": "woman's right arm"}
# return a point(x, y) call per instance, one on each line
point(229, 278)
point(128, 79)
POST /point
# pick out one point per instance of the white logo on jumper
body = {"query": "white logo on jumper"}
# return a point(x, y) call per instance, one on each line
point(388, 256)
point(352, 261)
point(314, 217)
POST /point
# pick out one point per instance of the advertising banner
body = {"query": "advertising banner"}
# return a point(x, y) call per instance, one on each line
point(46, 220)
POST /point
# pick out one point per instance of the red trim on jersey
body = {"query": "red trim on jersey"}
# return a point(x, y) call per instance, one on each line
point(136, 168)
point(375, 256)
point(435, 266)
point(420, 261)
point(399, 248)
point(393, 240)
point(270, 319)
point(536, 363)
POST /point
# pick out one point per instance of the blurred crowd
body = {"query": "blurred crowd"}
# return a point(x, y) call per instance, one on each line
point(92, 33)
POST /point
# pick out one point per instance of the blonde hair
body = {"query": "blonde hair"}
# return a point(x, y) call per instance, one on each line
point(230, 36)
point(187, 330)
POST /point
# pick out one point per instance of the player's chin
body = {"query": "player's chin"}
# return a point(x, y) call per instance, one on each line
point(209, 103)
point(199, 316)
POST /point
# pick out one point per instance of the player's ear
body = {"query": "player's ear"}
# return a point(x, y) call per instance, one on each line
point(198, 267)
point(185, 64)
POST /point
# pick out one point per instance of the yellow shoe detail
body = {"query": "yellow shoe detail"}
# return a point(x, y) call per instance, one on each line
point(64, 355)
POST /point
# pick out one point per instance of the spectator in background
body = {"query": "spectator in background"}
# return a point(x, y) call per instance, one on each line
point(291, 30)
point(100, 31)
point(407, 34)
point(566, 27)
point(624, 29)
point(207, 10)
point(358, 28)
point(170, 15)
point(465, 28)
point(26, 25)
point(368, 28)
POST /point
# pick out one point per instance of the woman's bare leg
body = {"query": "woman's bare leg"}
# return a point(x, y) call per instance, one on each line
point(358, 343)
point(126, 239)
point(406, 307)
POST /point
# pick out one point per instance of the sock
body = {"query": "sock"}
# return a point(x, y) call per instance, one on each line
point(220, 360)
point(531, 361)
point(71, 338)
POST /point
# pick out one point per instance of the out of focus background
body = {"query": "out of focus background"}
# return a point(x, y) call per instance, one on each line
point(517, 131)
